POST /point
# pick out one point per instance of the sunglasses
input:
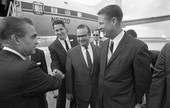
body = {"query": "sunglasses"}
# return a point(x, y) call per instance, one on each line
point(95, 35)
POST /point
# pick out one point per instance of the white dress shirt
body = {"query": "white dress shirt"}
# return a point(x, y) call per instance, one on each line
point(90, 52)
point(116, 42)
point(63, 43)
point(15, 52)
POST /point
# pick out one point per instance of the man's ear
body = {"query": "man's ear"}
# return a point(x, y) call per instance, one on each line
point(114, 20)
point(15, 39)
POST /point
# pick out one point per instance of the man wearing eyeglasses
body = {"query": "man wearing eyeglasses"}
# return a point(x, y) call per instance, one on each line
point(82, 70)
point(96, 38)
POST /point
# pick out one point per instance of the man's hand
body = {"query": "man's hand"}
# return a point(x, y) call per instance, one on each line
point(138, 105)
point(69, 96)
point(57, 72)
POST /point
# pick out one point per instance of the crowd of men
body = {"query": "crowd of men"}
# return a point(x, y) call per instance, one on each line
point(116, 73)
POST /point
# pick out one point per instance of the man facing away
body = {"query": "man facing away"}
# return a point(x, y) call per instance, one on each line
point(125, 74)
point(58, 51)
point(22, 82)
point(82, 70)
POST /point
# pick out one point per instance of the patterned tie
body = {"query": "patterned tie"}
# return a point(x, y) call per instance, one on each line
point(66, 45)
point(90, 65)
point(111, 46)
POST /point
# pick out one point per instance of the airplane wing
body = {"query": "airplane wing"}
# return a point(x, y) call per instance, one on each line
point(145, 20)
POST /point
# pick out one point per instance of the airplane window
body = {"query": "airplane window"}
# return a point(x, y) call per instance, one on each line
point(61, 11)
point(74, 13)
point(79, 14)
point(38, 8)
point(67, 12)
point(53, 10)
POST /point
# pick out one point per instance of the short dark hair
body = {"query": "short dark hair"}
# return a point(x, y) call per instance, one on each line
point(56, 22)
point(13, 25)
point(97, 30)
point(112, 11)
point(132, 33)
point(81, 26)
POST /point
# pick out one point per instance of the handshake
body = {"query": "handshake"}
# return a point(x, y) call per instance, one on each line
point(58, 73)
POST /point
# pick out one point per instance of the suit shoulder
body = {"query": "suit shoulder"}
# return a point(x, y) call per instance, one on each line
point(53, 43)
point(136, 42)
point(74, 49)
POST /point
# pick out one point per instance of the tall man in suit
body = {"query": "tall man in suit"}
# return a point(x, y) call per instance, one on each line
point(58, 50)
point(83, 69)
point(159, 95)
point(125, 74)
point(22, 82)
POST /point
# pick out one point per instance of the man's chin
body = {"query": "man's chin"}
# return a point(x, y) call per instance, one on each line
point(33, 52)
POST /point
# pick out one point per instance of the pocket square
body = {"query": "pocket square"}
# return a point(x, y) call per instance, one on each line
point(38, 63)
point(71, 40)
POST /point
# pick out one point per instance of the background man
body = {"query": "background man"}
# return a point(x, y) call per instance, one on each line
point(125, 74)
point(58, 51)
point(39, 58)
point(160, 90)
point(83, 69)
point(22, 82)
point(96, 38)
point(132, 33)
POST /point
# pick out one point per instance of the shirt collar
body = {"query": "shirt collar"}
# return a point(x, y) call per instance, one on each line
point(89, 47)
point(67, 39)
point(15, 52)
point(117, 39)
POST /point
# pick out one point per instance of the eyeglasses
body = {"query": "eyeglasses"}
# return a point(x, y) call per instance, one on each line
point(95, 35)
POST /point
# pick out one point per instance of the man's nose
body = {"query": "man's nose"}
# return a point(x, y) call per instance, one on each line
point(36, 41)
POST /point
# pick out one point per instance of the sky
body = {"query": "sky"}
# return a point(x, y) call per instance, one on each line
point(134, 9)
point(87, 2)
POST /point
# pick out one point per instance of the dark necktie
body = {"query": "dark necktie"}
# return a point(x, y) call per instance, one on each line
point(66, 45)
point(111, 46)
point(97, 43)
point(88, 59)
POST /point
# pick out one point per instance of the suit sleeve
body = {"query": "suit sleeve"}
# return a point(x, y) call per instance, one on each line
point(36, 82)
point(157, 88)
point(43, 61)
point(69, 74)
point(55, 64)
point(142, 72)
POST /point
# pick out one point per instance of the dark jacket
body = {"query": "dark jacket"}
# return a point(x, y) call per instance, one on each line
point(127, 76)
point(22, 82)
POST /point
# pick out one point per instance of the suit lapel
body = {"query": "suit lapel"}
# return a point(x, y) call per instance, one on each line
point(94, 57)
point(118, 50)
point(59, 45)
point(103, 61)
point(82, 58)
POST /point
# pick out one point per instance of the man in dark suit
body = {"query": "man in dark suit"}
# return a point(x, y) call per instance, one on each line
point(159, 95)
point(125, 74)
point(39, 58)
point(22, 82)
point(58, 50)
point(96, 38)
point(83, 69)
